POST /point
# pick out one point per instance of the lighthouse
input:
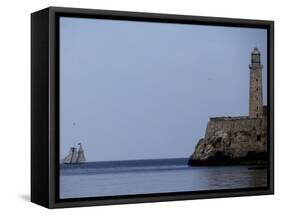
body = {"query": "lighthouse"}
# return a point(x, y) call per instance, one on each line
point(255, 100)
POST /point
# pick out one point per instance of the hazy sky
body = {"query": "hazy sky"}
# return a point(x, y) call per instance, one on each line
point(139, 90)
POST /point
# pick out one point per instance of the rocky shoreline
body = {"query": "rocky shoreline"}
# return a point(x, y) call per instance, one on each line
point(230, 147)
point(256, 159)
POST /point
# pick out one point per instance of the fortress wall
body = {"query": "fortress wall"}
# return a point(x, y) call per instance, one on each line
point(234, 124)
point(254, 130)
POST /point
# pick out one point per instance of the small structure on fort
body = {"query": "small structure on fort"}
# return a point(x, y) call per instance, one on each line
point(237, 140)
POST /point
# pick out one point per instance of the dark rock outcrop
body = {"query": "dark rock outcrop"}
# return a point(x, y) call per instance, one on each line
point(230, 148)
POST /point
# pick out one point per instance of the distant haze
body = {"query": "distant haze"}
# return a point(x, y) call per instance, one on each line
point(140, 90)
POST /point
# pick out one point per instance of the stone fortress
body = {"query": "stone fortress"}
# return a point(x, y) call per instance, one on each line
point(237, 140)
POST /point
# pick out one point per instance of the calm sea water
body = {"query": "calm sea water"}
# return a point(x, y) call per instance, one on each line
point(95, 179)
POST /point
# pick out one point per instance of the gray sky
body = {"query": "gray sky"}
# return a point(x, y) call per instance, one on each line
point(139, 90)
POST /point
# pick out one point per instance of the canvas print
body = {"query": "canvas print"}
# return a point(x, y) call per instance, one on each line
point(150, 108)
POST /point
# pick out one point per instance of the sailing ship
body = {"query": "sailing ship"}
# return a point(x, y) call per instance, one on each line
point(74, 156)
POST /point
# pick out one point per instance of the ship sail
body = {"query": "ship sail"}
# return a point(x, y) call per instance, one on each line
point(72, 156)
point(81, 156)
point(67, 159)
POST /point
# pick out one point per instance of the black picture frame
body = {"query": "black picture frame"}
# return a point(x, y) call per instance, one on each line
point(45, 106)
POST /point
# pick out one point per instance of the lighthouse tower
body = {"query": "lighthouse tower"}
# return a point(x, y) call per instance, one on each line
point(256, 103)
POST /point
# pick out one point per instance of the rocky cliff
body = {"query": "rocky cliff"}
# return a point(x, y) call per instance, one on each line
point(231, 145)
